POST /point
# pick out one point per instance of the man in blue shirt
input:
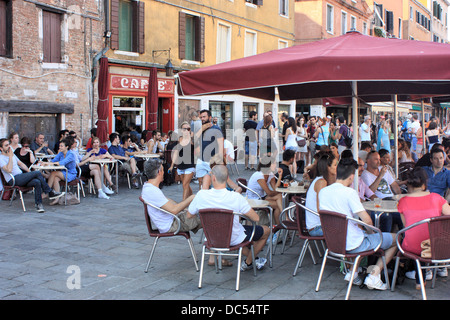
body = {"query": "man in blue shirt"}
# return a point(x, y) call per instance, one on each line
point(118, 153)
point(438, 175)
point(210, 143)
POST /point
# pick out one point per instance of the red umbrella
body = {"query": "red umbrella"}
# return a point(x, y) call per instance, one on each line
point(152, 100)
point(326, 68)
point(103, 105)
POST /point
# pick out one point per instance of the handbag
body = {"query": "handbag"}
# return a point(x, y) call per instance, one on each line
point(301, 143)
point(426, 249)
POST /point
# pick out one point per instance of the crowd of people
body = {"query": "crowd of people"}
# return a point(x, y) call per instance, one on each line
point(315, 151)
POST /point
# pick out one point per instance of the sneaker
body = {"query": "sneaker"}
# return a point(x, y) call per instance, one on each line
point(412, 275)
point(374, 282)
point(260, 263)
point(107, 190)
point(245, 266)
point(356, 278)
point(102, 195)
point(52, 195)
point(442, 272)
point(40, 208)
point(275, 238)
point(136, 185)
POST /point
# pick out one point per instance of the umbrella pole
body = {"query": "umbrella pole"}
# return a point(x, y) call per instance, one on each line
point(394, 98)
point(424, 141)
point(355, 128)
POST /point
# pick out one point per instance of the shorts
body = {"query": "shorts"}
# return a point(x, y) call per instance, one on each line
point(185, 171)
point(259, 231)
point(187, 224)
point(251, 148)
point(371, 241)
point(202, 169)
point(292, 148)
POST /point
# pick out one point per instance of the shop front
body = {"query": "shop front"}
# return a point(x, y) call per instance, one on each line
point(128, 102)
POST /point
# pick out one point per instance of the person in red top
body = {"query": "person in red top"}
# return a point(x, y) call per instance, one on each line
point(419, 204)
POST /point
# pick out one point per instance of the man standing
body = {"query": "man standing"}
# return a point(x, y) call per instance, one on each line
point(10, 165)
point(340, 197)
point(438, 175)
point(415, 126)
point(39, 145)
point(210, 142)
point(251, 143)
point(365, 129)
point(220, 197)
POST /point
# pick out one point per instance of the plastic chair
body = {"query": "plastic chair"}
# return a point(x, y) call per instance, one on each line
point(300, 219)
point(218, 225)
point(14, 189)
point(334, 226)
point(439, 229)
point(156, 234)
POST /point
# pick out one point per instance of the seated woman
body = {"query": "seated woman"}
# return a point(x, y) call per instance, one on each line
point(24, 153)
point(326, 175)
point(258, 182)
point(419, 204)
point(66, 158)
point(94, 170)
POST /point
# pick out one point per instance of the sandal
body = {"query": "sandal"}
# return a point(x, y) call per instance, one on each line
point(225, 263)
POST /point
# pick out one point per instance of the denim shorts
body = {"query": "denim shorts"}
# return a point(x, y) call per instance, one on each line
point(185, 171)
point(371, 241)
point(202, 169)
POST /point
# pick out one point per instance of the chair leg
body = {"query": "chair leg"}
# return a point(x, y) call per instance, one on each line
point(321, 270)
point(386, 273)
point(312, 253)
point(355, 267)
point(21, 200)
point(194, 255)
point(12, 197)
point(238, 275)
point(300, 257)
point(394, 277)
point(202, 263)
point(151, 254)
point(422, 284)
point(237, 170)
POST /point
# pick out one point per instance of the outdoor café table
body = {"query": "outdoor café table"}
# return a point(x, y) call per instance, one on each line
point(102, 163)
point(42, 156)
point(386, 206)
point(263, 204)
point(51, 167)
point(290, 190)
point(146, 156)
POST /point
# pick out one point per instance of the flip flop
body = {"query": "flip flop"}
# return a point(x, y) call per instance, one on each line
point(225, 263)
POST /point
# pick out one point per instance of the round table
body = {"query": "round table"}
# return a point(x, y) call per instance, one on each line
point(290, 190)
point(146, 156)
point(41, 156)
point(387, 206)
point(102, 163)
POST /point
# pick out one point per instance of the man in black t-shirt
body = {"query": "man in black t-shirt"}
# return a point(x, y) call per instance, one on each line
point(251, 143)
point(286, 164)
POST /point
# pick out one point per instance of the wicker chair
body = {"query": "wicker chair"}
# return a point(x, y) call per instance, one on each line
point(156, 234)
point(334, 226)
point(14, 189)
point(439, 229)
point(218, 225)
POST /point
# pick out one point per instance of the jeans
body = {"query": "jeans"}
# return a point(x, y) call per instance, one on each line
point(33, 179)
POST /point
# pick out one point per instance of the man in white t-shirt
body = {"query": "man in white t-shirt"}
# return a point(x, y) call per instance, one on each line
point(378, 178)
point(340, 197)
point(365, 129)
point(151, 193)
point(415, 126)
point(220, 197)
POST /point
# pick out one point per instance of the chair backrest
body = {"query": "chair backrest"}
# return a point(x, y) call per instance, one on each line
point(439, 228)
point(168, 156)
point(148, 221)
point(217, 226)
point(334, 227)
point(243, 181)
point(300, 215)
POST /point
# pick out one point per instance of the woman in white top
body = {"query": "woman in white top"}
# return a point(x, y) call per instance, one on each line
point(258, 182)
point(291, 140)
point(302, 153)
point(326, 175)
point(14, 141)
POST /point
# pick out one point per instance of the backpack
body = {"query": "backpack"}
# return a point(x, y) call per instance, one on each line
point(348, 138)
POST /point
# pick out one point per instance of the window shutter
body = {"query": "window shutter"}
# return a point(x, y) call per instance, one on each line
point(138, 27)
point(55, 37)
point(114, 24)
point(141, 27)
point(259, 2)
point(200, 39)
point(3, 27)
point(182, 35)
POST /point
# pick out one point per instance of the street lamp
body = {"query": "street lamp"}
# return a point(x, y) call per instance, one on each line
point(168, 66)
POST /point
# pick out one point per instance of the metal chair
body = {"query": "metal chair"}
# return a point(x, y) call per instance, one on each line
point(234, 162)
point(76, 183)
point(218, 225)
point(334, 226)
point(156, 234)
point(14, 189)
point(439, 229)
point(300, 219)
point(242, 182)
point(286, 224)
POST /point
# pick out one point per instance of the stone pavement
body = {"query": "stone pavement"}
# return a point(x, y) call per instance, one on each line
point(98, 250)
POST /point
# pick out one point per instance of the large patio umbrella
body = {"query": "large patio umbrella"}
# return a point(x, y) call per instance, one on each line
point(350, 65)
point(102, 107)
point(152, 100)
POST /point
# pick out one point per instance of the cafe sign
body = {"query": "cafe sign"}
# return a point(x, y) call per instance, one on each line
point(136, 83)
